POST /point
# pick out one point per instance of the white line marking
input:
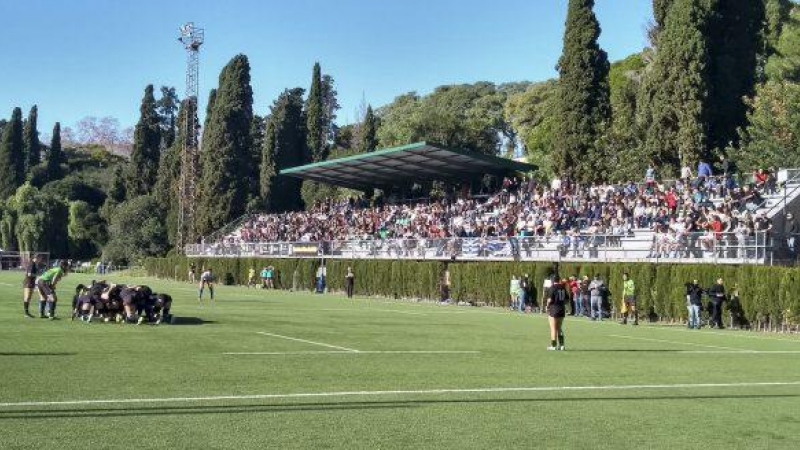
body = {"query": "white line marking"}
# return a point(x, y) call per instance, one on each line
point(363, 352)
point(398, 393)
point(371, 310)
point(7, 284)
point(733, 333)
point(719, 347)
point(745, 352)
point(307, 341)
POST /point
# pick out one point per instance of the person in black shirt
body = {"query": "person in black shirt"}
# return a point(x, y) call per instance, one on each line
point(349, 282)
point(717, 295)
point(792, 230)
point(29, 284)
point(556, 303)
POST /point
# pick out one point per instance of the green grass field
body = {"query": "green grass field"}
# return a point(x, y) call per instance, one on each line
point(283, 370)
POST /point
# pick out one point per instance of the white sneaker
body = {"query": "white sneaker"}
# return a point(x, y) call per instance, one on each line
point(561, 348)
point(552, 348)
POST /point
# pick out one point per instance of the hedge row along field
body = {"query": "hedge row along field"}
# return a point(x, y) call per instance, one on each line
point(770, 296)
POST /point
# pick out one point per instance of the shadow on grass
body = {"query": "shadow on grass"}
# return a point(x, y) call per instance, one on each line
point(38, 353)
point(190, 321)
point(131, 411)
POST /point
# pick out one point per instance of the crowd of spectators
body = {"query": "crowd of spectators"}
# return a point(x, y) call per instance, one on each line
point(693, 208)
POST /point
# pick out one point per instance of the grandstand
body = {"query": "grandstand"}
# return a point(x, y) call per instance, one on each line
point(717, 220)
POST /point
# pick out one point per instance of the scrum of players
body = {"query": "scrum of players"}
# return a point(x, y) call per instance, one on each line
point(120, 303)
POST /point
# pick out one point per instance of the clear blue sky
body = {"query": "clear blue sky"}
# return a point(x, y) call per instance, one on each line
point(82, 58)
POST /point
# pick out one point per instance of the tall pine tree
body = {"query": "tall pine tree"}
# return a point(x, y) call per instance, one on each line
point(33, 148)
point(368, 132)
point(735, 43)
point(583, 97)
point(167, 189)
point(315, 118)
point(55, 156)
point(674, 92)
point(12, 156)
point(267, 165)
point(225, 160)
point(142, 171)
point(286, 150)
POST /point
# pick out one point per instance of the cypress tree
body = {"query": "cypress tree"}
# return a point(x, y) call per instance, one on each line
point(287, 149)
point(315, 118)
point(142, 171)
point(369, 132)
point(33, 148)
point(583, 97)
point(55, 156)
point(167, 189)
point(12, 156)
point(734, 44)
point(674, 92)
point(267, 165)
point(776, 16)
point(660, 10)
point(224, 183)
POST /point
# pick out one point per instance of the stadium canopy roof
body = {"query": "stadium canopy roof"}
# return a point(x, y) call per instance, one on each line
point(405, 165)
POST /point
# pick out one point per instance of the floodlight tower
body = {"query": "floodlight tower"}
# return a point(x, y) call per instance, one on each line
point(192, 38)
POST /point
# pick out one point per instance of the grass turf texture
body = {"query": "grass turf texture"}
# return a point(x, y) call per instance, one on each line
point(44, 361)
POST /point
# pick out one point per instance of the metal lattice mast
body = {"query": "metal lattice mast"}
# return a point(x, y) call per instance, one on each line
point(192, 38)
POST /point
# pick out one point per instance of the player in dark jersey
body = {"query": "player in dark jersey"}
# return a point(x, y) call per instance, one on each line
point(162, 308)
point(130, 303)
point(29, 284)
point(84, 304)
point(557, 299)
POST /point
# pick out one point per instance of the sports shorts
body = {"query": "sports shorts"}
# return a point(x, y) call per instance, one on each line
point(559, 312)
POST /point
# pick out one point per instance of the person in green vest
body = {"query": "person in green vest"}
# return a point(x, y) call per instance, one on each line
point(629, 298)
point(46, 284)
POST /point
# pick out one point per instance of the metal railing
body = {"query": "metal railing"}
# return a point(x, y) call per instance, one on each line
point(726, 248)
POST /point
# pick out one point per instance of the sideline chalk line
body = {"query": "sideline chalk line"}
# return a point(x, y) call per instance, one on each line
point(396, 393)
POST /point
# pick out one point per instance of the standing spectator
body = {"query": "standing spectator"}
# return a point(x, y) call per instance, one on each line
point(717, 295)
point(629, 298)
point(445, 286)
point(557, 298)
point(686, 174)
point(650, 177)
point(270, 277)
point(263, 278)
point(251, 277)
point(703, 173)
point(349, 281)
point(584, 293)
point(596, 288)
point(694, 302)
point(574, 291)
point(321, 279)
point(524, 287)
point(192, 273)
point(514, 292)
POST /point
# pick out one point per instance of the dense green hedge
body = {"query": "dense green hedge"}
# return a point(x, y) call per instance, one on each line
point(769, 295)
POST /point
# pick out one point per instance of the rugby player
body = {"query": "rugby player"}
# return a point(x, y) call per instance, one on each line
point(29, 284)
point(206, 280)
